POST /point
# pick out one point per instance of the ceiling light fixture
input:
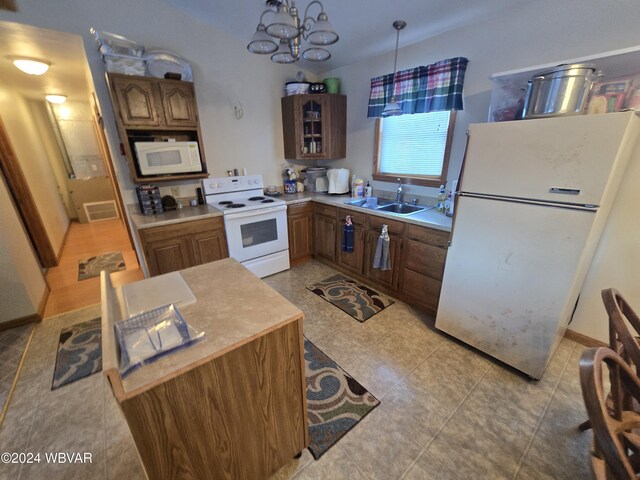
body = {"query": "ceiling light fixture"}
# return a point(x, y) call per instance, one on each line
point(393, 108)
point(282, 37)
point(31, 65)
point(57, 99)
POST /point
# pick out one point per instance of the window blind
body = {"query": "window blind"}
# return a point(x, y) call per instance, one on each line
point(414, 144)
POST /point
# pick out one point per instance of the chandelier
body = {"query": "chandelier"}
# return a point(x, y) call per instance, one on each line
point(283, 36)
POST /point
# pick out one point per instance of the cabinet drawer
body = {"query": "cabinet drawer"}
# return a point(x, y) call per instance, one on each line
point(357, 218)
point(428, 235)
point(300, 209)
point(421, 289)
point(180, 229)
point(425, 259)
point(395, 227)
point(326, 210)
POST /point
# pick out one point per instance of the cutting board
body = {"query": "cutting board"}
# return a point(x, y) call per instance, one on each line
point(155, 292)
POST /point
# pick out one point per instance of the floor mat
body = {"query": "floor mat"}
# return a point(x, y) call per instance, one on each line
point(351, 296)
point(91, 267)
point(79, 353)
point(335, 401)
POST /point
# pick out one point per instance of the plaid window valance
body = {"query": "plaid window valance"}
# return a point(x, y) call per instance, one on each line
point(433, 88)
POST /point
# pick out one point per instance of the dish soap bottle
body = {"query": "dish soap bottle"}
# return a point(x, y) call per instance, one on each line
point(441, 199)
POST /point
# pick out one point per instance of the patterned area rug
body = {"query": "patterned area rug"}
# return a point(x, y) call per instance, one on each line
point(91, 267)
point(352, 297)
point(79, 353)
point(335, 401)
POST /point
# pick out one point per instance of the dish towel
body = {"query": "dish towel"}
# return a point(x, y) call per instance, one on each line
point(382, 259)
point(347, 235)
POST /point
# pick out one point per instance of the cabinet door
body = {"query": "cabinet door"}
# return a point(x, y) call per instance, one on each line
point(387, 278)
point(314, 118)
point(136, 101)
point(314, 126)
point(325, 237)
point(169, 255)
point(353, 261)
point(300, 228)
point(209, 246)
point(178, 103)
point(421, 290)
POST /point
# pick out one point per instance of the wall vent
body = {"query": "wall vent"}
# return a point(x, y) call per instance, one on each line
point(99, 211)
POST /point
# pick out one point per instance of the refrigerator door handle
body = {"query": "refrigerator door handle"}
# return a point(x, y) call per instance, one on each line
point(565, 191)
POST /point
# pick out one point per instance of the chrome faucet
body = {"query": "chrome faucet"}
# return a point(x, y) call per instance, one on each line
point(399, 192)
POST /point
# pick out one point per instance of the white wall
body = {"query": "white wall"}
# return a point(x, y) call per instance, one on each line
point(616, 262)
point(32, 155)
point(225, 74)
point(539, 32)
point(22, 282)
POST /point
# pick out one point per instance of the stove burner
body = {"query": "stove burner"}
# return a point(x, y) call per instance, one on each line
point(267, 200)
point(253, 199)
point(225, 202)
point(235, 205)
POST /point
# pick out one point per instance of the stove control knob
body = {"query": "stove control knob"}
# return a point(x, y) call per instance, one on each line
point(219, 185)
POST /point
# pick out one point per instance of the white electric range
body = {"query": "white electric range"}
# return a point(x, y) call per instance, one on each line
point(255, 224)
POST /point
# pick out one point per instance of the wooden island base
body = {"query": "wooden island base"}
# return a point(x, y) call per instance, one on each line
point(230, 407)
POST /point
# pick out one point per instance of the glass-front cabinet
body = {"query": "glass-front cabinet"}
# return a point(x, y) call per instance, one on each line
point(314, 126)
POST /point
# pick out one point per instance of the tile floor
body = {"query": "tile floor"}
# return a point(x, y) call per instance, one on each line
point(12, 345)
point(446, 412)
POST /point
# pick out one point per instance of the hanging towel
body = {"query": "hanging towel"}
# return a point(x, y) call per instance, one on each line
point(347, 235)
point(381, 258)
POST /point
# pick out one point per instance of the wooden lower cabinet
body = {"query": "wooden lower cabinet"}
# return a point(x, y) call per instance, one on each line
point(385, 278)
point(169, 248)
point(423, 266)
point(354, 260)
point(300, 227)
point(417, 253)
point(324, 232)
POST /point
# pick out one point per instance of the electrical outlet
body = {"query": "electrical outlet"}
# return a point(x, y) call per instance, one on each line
point(175, 192)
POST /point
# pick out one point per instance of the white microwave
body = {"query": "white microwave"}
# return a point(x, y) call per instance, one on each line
point(163, 158)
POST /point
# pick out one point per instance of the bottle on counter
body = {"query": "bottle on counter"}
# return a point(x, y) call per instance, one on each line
point(447, 204)
point(368, 190)
point(441, 199)
point(358, 188)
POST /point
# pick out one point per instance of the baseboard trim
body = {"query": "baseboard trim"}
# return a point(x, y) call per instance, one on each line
point(583, 339)
point(36, 317)
point(43, 301)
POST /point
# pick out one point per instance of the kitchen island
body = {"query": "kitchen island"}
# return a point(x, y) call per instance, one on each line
point(229, 407)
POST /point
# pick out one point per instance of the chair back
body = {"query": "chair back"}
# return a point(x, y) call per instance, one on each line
point(616, 447)
point(621, 340)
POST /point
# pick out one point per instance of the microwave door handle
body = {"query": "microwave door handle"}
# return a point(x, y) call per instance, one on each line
point(260, 211)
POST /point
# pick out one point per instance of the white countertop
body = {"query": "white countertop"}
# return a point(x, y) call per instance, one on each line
point(429, 218)
point(173, 216)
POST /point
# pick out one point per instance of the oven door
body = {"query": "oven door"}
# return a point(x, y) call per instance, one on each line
point(257, 233)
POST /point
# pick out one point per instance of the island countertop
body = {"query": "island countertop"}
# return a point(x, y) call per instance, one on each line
point(232, 308)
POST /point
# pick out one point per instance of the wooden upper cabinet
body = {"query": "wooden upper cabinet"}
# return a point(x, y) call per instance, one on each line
point(136, 101)
point(151, 102)
point(149, 109)
point(178, 102)
point(314, 126)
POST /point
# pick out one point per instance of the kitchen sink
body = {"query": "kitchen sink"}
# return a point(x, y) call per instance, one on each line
point(373, 203)
point(401, 208)
point(388, 206)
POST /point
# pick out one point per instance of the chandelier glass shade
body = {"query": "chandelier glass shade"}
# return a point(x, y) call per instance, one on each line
point(282, 36)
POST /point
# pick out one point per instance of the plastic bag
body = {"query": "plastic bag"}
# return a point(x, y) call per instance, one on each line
point(146, 337)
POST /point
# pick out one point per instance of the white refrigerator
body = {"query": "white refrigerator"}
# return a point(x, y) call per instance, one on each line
point(532, 201)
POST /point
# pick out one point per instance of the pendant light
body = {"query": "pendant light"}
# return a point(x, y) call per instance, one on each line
point(392, 108)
